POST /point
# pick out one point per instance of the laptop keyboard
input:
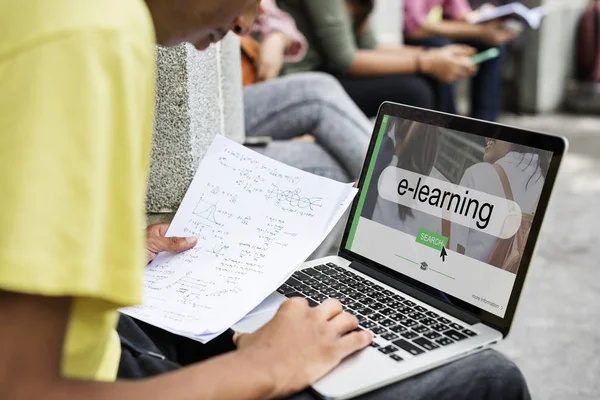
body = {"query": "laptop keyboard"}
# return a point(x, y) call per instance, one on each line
point(396, 323)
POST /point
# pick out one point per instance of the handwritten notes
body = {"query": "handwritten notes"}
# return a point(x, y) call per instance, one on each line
point(256, 221)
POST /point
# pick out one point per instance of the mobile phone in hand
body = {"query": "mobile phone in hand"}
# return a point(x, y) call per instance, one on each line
point(486, 55)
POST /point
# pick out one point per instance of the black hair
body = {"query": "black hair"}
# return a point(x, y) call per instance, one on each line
point(416, 150)
point(543, 163)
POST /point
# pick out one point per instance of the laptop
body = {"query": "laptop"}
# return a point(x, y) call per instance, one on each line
point(437, 245)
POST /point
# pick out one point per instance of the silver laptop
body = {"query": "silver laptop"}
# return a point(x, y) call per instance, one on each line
point(437, 245)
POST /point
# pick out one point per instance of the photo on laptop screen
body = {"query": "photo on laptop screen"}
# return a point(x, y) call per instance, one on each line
point(450, 209)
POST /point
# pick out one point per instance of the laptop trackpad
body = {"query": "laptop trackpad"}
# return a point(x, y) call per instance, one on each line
point(261, 314)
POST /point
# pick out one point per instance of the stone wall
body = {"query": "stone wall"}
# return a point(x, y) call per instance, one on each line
point(199, 95)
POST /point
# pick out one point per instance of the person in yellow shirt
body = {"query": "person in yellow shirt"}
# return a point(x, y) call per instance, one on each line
point(76, 101)
point(76, 114)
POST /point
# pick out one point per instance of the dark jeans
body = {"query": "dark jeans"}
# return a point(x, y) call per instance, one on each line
point(486, 375)
point(485, 86)
point(369, 92)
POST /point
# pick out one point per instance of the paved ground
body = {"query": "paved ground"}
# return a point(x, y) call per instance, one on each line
point(556, 335)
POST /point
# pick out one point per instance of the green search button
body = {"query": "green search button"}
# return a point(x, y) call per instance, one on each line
point(431, 239)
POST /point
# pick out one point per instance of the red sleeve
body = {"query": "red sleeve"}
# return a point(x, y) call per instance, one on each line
point(415, 15)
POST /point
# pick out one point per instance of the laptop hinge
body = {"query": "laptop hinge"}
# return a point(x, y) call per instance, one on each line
point(417, 294)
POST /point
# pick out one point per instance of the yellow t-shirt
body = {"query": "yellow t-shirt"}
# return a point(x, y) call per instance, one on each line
point(76, 115)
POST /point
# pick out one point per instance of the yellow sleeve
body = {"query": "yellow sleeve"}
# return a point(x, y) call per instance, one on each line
point(75, 127)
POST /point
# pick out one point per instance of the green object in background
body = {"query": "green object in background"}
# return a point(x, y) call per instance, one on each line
point(485, 55)
point(431, 239)
point(436, 15)
point(365, 187)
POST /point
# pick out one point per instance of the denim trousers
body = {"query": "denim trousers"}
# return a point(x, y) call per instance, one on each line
point(148, 351)
point(309, 103)
point(486, 85)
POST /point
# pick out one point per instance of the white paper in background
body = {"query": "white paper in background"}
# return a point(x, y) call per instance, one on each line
point(256, 221)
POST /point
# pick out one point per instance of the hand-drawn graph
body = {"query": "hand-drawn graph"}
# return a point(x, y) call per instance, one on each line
point(293, 198)
point(191, 286)
point(219, 249)
point(206, 210)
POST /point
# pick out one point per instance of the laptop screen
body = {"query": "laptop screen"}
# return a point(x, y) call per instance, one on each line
point(449, 209)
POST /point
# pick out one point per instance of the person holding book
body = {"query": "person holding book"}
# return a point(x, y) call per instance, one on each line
point(74, 168)
point(438, 23)
point(341, 43)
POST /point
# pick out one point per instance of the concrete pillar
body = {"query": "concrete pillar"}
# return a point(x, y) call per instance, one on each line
point(199, 95)
point(387, 21)
point(549, 56)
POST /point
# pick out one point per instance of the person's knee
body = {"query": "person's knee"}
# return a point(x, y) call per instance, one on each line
point(320, 86)
point(501, 375)
point(320, 78)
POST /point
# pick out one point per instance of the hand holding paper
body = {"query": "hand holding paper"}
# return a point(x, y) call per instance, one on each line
point(256, 221)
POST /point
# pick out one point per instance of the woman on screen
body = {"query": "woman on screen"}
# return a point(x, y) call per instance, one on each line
point(413, 147)
point(523, 170)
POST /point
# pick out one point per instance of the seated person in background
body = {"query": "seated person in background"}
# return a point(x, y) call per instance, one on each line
point(290, 107)
point(369, 72)
point(274, 39)
point(422, 28)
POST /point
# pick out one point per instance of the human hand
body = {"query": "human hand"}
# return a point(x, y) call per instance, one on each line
point(270, 57)
point(492, 33)
point(302, 344)
point(449, 63)
point(156, 241)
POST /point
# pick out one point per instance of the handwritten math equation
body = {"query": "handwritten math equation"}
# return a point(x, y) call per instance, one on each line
point(236, 237)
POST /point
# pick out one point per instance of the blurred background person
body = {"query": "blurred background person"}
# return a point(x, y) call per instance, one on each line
point(341, 43)
point(438, 23)
point(294, 106)
point(274, 39)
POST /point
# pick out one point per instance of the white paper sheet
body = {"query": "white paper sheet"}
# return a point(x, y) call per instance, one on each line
point(256, 221)
point(265, 305)
point(533, 16)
